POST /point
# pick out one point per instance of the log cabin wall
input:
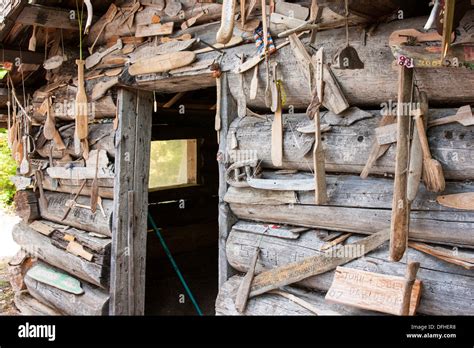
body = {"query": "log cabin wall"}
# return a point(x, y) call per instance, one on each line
point(103, 252)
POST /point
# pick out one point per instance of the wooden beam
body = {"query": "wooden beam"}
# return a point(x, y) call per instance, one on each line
point(132, 161)
point(48, 17)
point(225, 216)
point(26, 57)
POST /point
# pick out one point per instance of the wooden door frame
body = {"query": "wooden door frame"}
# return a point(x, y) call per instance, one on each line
point(129, 223)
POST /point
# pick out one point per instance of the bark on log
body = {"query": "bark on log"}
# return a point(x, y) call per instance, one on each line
point(273, 304)
point(347, 148)
point(101, 136)
point(80, 218)
point(446, 290)
point(52, 250)
point(26, 205)
point(94, 301)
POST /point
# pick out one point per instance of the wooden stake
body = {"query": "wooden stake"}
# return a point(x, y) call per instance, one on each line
point(244, 288)
point(410, 277)
point(400, 206)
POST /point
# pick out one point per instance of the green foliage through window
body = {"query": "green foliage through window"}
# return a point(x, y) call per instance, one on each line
point(169, 163)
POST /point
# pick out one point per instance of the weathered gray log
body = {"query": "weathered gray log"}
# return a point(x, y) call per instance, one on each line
point(347, 148)
point(52, 250)
point(101, 136)
point(63, 187)
point(349, 191)
point(356, 205)
point(94, 301)
point(273, 304)
point(28, 305)
point(78, 217)
point(64, 103)
point(371, 86)
point(436, 227)
point(446, 290)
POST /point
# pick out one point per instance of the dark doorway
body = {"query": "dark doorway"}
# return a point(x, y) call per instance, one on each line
point(183, 203)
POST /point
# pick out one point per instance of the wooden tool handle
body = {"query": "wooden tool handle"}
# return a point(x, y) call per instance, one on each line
point(264, 25)
point(422, 136)
point(444, 120)
point(244, 288)
point(400, 207)
point(224, 34)
point(410, 277)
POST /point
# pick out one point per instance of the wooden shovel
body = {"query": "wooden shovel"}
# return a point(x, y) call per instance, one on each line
point(277, 125)
point(49, 126)
point(400, 207)
point(82, 127)
point(463, 116)
point(25, 164)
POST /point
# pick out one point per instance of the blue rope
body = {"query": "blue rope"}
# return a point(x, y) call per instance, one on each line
point(175, 266)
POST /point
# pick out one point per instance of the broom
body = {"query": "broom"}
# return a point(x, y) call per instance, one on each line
point(432, 171)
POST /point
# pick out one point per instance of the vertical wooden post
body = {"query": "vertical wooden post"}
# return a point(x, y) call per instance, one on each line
point(129, 226)
point(228, 111)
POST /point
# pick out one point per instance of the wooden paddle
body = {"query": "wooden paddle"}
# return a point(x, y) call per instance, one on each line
point(81, 119)
point(463, 116)
point(254, 84)
point(320, 194)
point(464, 201)
point(25, 164)
point(162, 63)
point(49, 127)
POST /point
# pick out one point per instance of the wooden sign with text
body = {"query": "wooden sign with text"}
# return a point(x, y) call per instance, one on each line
point(372, 291)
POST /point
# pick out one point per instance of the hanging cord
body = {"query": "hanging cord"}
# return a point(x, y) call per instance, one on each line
point(347, 22)
point(173, 263)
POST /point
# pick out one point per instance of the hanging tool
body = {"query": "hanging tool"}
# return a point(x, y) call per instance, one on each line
point(320, 193)
point(82, 127)
point(464, 201)
point(400, 207)
point(447, 26)
point(347, 57)
point(264, 26)
point(90, 15)
point(254, 84)
point(95, 58)
point(43, 202)
point(244, 288)
point(108, 18)
point(25, 164)
point(433, 176)
point(463, 116)
point(415, 168)
point(277, 125)
point(226, 29)
point(32, 42)
point(410, 277)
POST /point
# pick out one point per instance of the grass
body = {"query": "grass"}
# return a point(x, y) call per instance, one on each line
point(7, 169)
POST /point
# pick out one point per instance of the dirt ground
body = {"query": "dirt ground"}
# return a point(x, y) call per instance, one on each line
point(7, 306)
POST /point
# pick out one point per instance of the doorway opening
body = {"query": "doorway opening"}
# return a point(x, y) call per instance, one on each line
point(183, 202)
